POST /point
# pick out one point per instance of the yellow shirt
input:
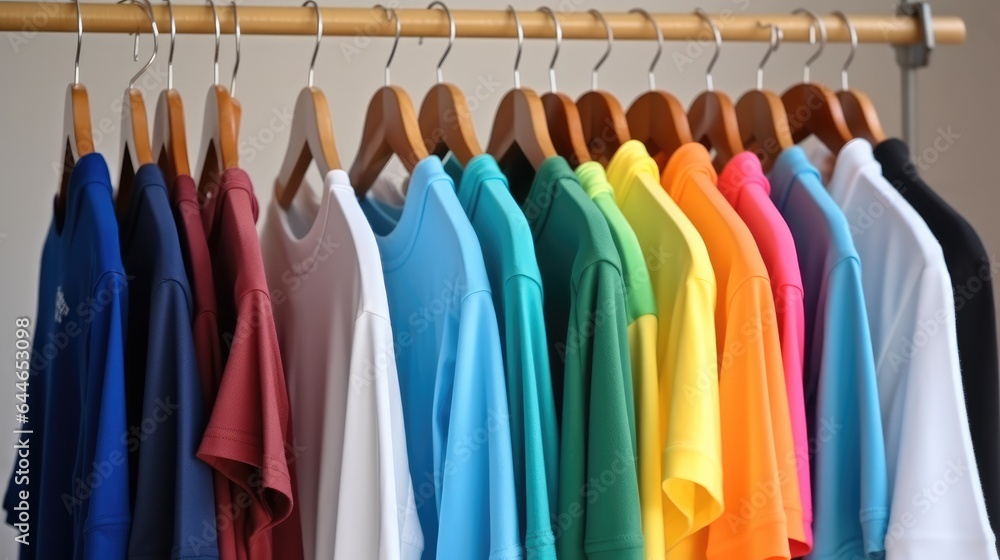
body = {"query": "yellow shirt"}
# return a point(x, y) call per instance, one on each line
point(763, 510)
point(680, 462)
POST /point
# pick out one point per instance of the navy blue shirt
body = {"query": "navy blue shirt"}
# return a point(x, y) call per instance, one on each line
point(171, 488)
point(77, 481)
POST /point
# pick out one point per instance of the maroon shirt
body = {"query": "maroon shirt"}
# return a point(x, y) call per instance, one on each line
point(249, 434)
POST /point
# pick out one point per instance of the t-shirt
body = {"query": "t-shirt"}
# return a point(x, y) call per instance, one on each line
point(451, 377)
point(937, 509)
point(76, 390)
point(849, 488)
point(516, 284)
point(332, 319)
point(171, 489)
point(640, 304)
point(757, 449)
point(585, 315)
point(249, 434)
point(744, 185)
point(972, 272)
point(681, 481)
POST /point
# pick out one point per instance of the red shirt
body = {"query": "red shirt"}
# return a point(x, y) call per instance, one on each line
point(249, 434)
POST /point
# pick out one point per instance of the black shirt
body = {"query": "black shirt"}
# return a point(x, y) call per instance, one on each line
point(972, 282)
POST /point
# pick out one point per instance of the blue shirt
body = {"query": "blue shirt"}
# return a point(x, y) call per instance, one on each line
point(450, 368)
point(850, 488)
point(77, 485)
point(171, 489)
point(509, 251)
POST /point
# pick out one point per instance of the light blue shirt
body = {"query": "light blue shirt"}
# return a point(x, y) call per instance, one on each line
point(848, 462)
point(450, 367)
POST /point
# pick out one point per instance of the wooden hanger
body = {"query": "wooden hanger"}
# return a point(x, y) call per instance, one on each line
point(813, 109)
point(712, 116)
point(859, 112)
point(519, 127)
point(311, 138)
point(762, 119)
point(135, 146)
point(77, 138)
point(445, 118)
point(561, 115)
point(605, 126)
point(656, 118)
point(219, 148)
point(391, 127)
point(169, 135)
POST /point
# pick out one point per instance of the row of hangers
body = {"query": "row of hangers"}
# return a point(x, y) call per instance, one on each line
point(527, 128)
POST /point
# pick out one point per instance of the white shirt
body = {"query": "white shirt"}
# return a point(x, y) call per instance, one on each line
point(323, 269)
point(937, 506)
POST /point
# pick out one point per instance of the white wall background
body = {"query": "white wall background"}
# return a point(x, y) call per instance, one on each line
point(957, 93)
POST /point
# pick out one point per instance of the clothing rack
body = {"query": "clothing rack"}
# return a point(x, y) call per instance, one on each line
point(912, 30)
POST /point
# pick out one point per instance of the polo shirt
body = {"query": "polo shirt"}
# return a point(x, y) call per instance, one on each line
point(744, 185)
point(847, 452)
point(937, 506)
point(756, 426)
point(680, 471)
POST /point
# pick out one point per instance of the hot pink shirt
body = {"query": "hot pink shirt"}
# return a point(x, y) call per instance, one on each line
point(744, 185)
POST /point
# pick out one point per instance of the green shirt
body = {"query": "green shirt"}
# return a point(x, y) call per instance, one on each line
point(585, 312)
point(516, 283)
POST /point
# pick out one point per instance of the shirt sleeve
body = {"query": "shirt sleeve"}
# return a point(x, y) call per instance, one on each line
point(173, 486)
point(103, 454)
point(937, 508)
point(477, 504)
point(376, 502)
point(851, 500)
point(605, 484)
point(534, 427)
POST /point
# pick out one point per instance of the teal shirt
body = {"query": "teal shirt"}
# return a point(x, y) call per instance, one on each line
point(585, 315)
point(509, 253)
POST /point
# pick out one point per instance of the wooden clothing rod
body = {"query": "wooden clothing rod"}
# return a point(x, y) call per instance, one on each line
point(30, 17)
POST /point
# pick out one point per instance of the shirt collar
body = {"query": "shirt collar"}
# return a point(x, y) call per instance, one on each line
point(853, 158)
point(689, 159)
point(742, 171)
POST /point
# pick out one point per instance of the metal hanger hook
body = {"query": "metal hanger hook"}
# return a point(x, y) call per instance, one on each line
point(776, 37)
point(173, 37)
point(520, 43)
point(718, 47)
point(236, 32)
point(607, 52)
point(390, 14)
point(451, 37)
point(319, 37)
point(854, 47)
point(555, 54)
point(659, 44)
point(816, 23)
point(79, 43)
point(218, 37)
point(147, 9)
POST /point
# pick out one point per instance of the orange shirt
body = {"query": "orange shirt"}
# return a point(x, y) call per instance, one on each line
point(761, 492)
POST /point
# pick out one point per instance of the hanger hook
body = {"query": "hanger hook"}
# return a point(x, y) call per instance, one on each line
point(451, 36)
point(555, 54)
point(659, 44)
point(718, 47)
point(816, 23)
point(390, 14)
point(854, 47)
point(607, 52)
point(520, 43)
point(776, 37)
point(79, 43)
point(147, 9)
point(319, 37)
point(236, 65)
point(218, 37)
point(173, 37)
